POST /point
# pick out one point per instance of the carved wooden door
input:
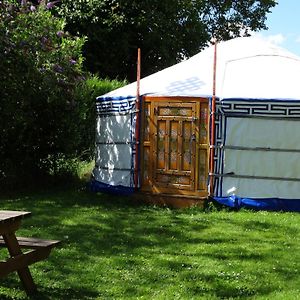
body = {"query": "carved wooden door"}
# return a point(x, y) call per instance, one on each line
point(175, 147)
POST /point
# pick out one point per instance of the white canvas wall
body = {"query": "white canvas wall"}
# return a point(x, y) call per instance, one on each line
point(114, 149)
point(262, 133)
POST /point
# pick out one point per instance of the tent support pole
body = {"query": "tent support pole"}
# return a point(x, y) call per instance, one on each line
point(212, 124)
point(137, 124)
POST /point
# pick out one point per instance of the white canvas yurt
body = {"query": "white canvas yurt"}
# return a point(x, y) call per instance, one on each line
point(235, 138)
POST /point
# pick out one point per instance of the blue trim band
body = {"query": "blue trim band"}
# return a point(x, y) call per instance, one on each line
point(101, 98)
point(270, 204)
point(97, 186)
point(288, 100)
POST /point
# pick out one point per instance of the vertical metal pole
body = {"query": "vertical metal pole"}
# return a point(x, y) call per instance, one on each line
point(212, 125)
point(137, 124)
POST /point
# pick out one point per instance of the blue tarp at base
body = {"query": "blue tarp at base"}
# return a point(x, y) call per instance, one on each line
point(271, 204)
point(96, 186)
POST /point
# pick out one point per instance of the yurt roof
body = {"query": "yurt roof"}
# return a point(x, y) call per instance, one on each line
point(246, 68)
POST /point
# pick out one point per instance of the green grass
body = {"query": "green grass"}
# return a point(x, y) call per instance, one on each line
point(114, 249)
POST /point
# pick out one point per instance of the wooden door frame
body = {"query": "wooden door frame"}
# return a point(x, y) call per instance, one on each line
point(147, 102)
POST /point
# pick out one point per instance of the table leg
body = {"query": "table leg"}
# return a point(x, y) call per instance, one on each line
point(24, 273)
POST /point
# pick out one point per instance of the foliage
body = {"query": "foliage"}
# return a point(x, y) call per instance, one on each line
point(39, 68)
point(47, 115)
point(60, 165)
point(112, 249)
point(166, 31)
point(85, 93)
point(228, 19)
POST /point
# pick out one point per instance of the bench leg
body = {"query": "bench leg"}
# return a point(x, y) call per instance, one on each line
point(24, 273)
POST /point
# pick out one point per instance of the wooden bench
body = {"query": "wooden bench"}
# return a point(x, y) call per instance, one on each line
point(18, 261)
point(42, 249)
point(33, 243)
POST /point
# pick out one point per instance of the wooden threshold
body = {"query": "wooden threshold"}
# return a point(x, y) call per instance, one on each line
point(173, 201)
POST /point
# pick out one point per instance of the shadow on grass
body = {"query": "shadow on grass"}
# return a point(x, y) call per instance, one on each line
point(47, 293)
point(69, 294)
point(127, 249)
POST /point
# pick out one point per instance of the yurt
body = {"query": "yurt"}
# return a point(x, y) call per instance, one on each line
point(222, 124)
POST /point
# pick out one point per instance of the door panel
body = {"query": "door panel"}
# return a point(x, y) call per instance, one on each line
point(175, 147)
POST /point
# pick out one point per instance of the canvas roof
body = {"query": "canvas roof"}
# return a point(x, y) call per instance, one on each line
point(247, 68)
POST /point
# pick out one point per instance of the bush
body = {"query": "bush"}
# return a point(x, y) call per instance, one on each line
point(40, 67)
point(85, 94)
point(47, 112)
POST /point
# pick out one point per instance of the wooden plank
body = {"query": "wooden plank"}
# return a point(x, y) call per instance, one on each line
point(167, 145)
point(6, 215)
point(33, 243)
point(158, 189)
point(197, 135)
point(203, 148)
point(174, 172)
point(175, 201)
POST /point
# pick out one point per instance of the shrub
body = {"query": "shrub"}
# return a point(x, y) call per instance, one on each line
point(47, 112)
point(85, 94)
point(40, 67)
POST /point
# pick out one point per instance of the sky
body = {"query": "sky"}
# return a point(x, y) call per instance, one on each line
point(284, 25)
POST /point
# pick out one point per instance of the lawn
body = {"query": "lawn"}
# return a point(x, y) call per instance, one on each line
point(115, 249)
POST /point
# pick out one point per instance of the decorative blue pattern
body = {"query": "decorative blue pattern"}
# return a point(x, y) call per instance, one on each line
point(250, 108)
point(108, 107)
point(120, 105)
point(246, 108)
point(218, 141)
point(271, 108)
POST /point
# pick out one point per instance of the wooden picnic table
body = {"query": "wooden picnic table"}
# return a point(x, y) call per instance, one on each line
point(10, 222)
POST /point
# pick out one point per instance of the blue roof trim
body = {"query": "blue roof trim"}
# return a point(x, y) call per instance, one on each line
point(101, 98)
point(261, 100)
point(97, 186)
point(116, 106)
point(269, 204)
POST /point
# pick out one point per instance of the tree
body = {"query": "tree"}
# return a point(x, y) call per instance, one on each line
point(167, 31)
